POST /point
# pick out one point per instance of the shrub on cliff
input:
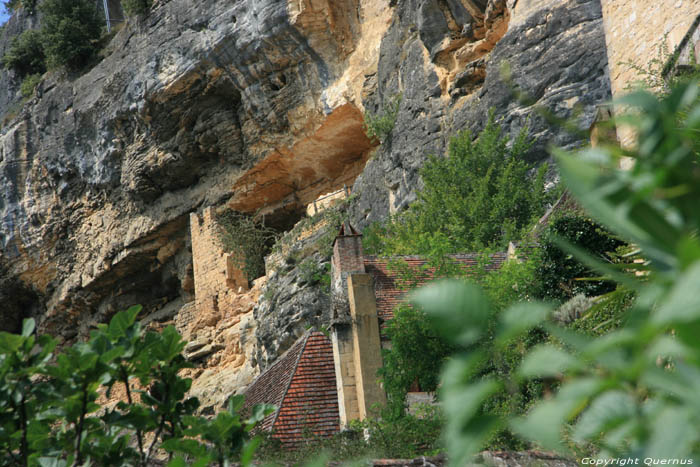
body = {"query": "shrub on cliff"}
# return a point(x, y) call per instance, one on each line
point(379, 126)
point(136, 7)
point(248, 239)
point(481, 196)
point(29, 5)
point(70, 32)
point(26, 54)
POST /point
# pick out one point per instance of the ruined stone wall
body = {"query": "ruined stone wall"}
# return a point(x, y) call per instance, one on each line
point(217, 279)
point(635, 31)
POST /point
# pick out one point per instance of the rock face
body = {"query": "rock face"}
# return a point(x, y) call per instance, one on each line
point(101, 171)
point(557, 58)
point(257, 105)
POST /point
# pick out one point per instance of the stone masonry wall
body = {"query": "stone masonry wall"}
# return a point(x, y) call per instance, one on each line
point(217, 280)
point(634, 30)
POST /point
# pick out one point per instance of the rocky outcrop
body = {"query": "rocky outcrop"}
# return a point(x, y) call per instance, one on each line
point(102, 170)
point(557, 58)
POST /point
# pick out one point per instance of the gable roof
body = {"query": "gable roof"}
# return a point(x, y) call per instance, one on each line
point(388, 288)
point(302, 385)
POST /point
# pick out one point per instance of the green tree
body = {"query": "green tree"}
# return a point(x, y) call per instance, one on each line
point(482, 195)
point(29, 5)
point(26, 54)
point(416, 355)
point(70, 32)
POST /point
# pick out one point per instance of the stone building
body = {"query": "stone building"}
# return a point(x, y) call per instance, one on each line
point(322, 383)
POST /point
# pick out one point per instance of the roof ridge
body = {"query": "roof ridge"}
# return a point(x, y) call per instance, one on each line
point(424, 258)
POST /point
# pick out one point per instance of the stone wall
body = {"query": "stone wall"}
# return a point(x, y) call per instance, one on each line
point(217, 279)
point(185, 317)
point(635, 31)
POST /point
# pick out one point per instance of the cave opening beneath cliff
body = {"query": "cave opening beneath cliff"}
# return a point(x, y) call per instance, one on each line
point(18, 301)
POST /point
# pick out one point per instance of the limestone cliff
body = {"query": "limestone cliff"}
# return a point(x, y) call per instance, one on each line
point(256, 105)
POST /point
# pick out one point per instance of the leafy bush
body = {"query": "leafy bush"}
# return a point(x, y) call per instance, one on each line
point(315, 272)
point(378, 127)
point(49, 413)
point(248, 240)
point(70, 32)
point(481, 196)
point(416, 355)
point(418, 350)
point(26, 54)
point(633, 392)
point(136, 7)
point(405, 437)
point(29, 84)
point(560, 272)
point(374, 437)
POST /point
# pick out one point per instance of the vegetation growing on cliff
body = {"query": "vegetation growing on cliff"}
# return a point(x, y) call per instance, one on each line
point(69, 36)
point(70, 31)
point(481, 196)
point(248, 239)
point(26, 54)
point(29, 5)
point(136, 7)
point(379, 126)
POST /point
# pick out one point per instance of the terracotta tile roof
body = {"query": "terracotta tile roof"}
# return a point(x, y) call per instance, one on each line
point(388, 288)
point(302, 385)
point(271, 386)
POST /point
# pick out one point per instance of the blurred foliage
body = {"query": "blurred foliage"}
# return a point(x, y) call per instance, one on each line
point(560, 273)
point(51, 415)
point(633, 391)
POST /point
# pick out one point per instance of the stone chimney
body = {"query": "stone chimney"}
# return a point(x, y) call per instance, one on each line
point(348, 256)
point(355, 333)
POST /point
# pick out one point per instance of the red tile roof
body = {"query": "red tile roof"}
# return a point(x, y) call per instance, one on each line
point(389, 289)
point(271, 386)
point(302, 385)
